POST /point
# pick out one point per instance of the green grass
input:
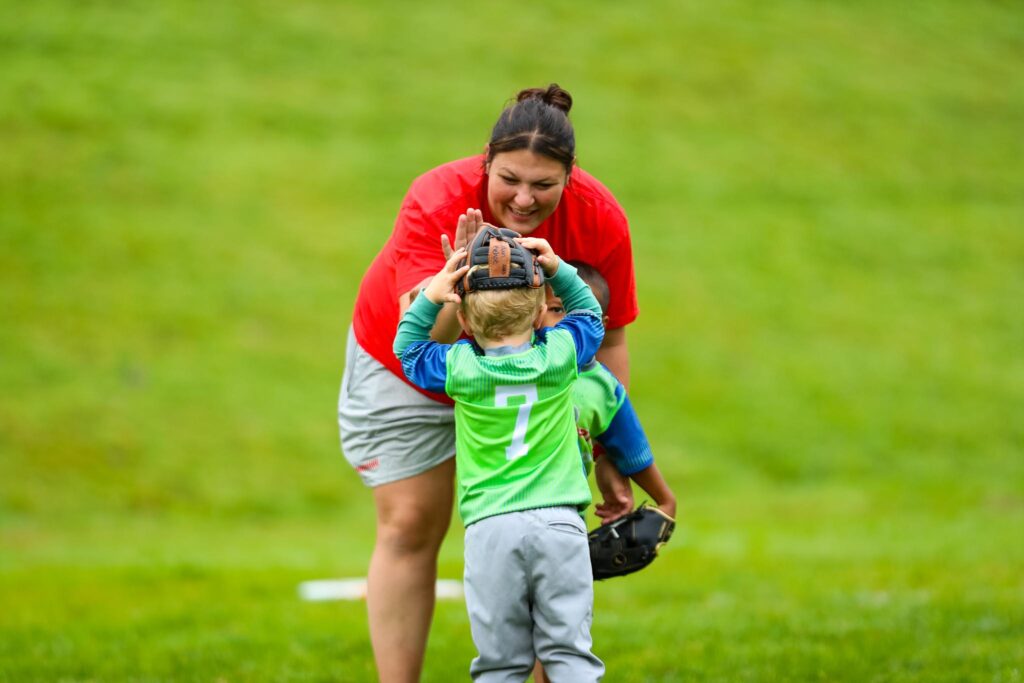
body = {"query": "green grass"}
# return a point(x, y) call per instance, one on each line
point(827, 207)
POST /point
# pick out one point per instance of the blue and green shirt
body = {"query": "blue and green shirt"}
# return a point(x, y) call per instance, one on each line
point(606, 416)
point(515, 427)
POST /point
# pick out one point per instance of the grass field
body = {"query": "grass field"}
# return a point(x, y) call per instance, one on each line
point(827, 203)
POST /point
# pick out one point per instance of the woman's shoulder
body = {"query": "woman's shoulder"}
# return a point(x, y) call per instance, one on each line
point(590, 194)
point(450, 182)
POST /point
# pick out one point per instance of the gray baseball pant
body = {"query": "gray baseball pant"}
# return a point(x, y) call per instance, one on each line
point(530, 594)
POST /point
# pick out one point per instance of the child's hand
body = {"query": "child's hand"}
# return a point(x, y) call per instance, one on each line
point(668, 507)
point(654, 485)
point(442, 286)
point(616, 492)
point(545, 254)
point(610, 510)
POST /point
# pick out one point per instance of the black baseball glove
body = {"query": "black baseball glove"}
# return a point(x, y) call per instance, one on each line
point(630, 543)
point(497, 261)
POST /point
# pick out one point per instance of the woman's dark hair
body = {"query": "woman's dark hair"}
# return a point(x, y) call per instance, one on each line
point(538, 121)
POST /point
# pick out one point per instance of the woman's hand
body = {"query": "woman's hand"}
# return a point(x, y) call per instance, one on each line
point(442, 286)
point(545, 254)
point(469, 224)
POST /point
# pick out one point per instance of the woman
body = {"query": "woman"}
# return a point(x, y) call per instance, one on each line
point(401, 440)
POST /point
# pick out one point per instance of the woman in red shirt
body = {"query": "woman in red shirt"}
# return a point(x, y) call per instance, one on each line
point(401, 440)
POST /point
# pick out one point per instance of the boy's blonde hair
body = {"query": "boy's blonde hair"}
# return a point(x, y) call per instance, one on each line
point(497, 313)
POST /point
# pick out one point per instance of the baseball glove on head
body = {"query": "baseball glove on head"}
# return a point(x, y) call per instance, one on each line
point(629, 544)
point(497, 261)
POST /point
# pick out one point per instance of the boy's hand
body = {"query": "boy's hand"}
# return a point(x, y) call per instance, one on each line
point(668, 507)
point(610, 510)
point(616, 491)
point(442, 286)
point(469, 224)
point(545, 254)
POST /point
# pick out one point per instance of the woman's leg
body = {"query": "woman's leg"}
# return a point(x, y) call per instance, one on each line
point(412, 518)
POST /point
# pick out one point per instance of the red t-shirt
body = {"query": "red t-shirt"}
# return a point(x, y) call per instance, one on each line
point(588, 225)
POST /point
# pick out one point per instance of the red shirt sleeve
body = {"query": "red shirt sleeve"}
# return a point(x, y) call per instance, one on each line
point(615, 262)
point(417, 246)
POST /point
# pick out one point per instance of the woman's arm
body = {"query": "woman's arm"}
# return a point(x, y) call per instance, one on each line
point(614, 354)
point(614, 487)
point(651, 481)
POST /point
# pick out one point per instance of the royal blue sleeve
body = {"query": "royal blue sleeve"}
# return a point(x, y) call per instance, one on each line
point(423, 361)
point(583, 320)
point(587, 332)
point(625, 441)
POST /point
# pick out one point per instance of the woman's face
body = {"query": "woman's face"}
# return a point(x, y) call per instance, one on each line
point(524, 188)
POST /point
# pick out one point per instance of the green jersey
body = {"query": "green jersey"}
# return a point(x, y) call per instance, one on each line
point(520, 451)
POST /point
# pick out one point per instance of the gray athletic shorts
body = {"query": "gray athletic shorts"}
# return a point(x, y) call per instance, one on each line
point(389, 431)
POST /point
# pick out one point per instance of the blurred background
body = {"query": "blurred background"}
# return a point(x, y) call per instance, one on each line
point(827, 207)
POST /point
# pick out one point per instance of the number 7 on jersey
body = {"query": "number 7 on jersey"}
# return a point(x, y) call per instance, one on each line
point(518, 448)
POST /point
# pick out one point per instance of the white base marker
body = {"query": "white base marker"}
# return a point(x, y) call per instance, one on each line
point(355, 589)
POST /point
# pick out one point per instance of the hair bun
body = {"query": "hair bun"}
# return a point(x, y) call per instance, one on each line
point(537, 121)
point(554, 95)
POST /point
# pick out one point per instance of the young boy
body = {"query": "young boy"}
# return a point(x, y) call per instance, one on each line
point(520, 481)
point(606, 420)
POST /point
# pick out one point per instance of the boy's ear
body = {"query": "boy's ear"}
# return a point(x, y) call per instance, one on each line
point(538, 322)
point(463, 322)
point(604, 320)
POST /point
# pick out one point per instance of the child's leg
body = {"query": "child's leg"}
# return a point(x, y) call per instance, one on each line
point(563, 593)
point(497, 600)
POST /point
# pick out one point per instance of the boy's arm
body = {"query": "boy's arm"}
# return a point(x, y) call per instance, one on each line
point(626, 445)
point(626, 452)
point(624, 440)
point(576, 296)
point(651, 481)
point(423, 361)
point(583, 312)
